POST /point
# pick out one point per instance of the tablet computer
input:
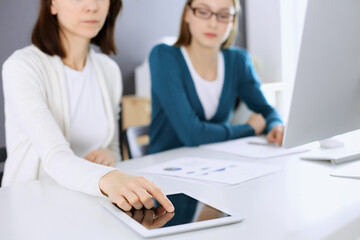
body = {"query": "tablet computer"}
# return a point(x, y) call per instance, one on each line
point(190, 213)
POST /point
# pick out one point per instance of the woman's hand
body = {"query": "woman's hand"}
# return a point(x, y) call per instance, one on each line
point(276, 135)
point(128, 191)
point(257, 122)
point(102, 156)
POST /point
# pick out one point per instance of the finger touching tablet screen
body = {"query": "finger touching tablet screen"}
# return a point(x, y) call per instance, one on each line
point(190, 214)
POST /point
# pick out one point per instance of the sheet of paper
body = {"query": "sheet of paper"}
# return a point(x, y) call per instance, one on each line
point(253, 147)
point(211, 170)
point(349, 171)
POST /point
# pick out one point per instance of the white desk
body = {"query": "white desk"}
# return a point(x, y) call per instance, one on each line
point(299, 202)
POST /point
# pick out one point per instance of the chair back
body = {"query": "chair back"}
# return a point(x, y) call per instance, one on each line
point(3, 156)
point(134, 148)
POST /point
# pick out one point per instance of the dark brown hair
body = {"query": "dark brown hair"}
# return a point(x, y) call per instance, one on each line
point(184, 38)
point(46, 33)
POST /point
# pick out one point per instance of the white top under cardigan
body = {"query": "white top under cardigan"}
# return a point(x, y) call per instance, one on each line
point(209, 92)
point(88, 122)
point(37, 120)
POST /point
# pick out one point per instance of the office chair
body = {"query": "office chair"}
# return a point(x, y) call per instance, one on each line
point(131, 134)
point(3, 156)
point(121, 141)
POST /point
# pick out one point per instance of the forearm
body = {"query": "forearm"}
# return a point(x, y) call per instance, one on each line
point(213, 133)
point(75, 173)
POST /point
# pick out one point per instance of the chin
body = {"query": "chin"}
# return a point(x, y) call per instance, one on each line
point(89, 35)
point(211, 44)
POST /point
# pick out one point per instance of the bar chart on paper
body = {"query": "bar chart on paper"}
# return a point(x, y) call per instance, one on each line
point(212, 171)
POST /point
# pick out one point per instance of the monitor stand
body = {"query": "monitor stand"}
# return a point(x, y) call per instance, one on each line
point(335, 151)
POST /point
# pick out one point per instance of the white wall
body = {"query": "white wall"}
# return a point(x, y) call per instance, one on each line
point(264, 37)
point(273, 39)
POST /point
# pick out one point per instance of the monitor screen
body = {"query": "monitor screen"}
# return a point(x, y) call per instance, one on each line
point(326, 96)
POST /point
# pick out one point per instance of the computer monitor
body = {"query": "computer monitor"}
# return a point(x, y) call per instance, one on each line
point(326, 95)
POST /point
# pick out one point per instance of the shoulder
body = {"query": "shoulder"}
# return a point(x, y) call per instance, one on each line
point(166, 63)
point(28, 65)
point(28, 52)
point(237, 54)
point(27, 69)
point(166, 58)
point(164, 51)
point(240, 62)
point(29, 56)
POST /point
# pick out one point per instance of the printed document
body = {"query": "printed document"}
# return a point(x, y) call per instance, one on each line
point(253, 147)
point(219, 171)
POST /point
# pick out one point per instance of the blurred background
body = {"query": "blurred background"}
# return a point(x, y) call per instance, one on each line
point(269, 29)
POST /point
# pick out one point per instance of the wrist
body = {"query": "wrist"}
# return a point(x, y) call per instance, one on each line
point(252, 130)
point(104, 181)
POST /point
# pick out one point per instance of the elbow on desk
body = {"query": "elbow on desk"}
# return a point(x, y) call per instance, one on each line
point(192, 137)
point(191, 143)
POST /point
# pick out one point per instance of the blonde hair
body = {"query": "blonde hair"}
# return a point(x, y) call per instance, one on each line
point(184, 38)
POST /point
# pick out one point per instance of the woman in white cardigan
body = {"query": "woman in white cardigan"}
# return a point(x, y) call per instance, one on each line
point(61, 106)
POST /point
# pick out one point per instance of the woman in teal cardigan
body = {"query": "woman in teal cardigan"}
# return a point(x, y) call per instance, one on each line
point(195, 83)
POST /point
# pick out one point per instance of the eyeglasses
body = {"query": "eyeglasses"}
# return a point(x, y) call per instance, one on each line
point(204, 13)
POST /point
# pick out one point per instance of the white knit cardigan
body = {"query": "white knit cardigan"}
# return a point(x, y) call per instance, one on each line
point(37, 120)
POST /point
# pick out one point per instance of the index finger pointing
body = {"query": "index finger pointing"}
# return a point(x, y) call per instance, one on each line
point(159, 196)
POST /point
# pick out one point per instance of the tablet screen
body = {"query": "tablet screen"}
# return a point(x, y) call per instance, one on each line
point(187, 210)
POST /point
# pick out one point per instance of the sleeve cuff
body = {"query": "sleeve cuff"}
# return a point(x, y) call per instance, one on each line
point(272, 124)
point(243, 130)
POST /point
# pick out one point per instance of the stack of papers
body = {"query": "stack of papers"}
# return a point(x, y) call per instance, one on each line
point(253, 147)
point(211, 171)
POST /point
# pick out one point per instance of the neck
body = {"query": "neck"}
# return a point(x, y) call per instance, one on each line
point(204, 60)
point(76, 50)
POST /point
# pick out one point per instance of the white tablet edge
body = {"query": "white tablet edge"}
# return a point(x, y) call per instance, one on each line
point(173, 229)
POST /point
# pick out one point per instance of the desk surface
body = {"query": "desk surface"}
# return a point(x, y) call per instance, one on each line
point(299, 202)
